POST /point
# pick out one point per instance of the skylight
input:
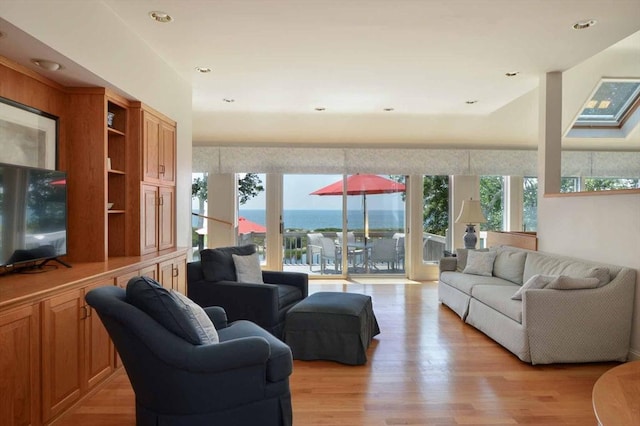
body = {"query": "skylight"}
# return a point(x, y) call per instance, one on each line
point(611, 110)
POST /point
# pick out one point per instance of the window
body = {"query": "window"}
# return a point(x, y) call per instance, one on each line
point(611, 110)
point(530, 204)
point(492, 201)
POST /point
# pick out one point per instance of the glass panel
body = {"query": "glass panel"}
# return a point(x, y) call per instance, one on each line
point(530, 204)
point(492, 201)
point(570, 184)
point(311, 222)
point(609, 104)
point(375, 224)
point(435, 217)
point(252, 221)
point(198, 210)
point(606, 184)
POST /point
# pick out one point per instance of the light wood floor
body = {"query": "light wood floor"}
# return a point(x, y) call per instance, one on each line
point(425, 368)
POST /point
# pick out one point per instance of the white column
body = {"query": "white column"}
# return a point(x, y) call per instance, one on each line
point(222, 200)
point(513, 203)
point(550, 133)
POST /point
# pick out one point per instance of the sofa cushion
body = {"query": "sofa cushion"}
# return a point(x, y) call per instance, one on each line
point(545, 264)
point(464, 282)
point(168, 310)
point(248, 268)
point(461, 256)
point(198, 319)
point(535, 282)
point(498, 297)
point(217, 264)
point(509, 264)
point(480, 263)
point(570, 283)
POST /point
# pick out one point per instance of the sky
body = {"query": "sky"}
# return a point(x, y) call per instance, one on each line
point(298, 187)
point(296, 190)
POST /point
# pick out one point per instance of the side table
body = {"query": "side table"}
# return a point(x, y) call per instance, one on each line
point(616, 396)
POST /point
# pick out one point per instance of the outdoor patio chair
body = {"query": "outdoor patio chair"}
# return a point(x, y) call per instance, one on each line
point(383, 250)
point(314, 248)
point(353, 253)
point(399, 239)
point(330, 253)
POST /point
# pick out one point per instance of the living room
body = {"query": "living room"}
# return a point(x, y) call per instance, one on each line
point(595, 227)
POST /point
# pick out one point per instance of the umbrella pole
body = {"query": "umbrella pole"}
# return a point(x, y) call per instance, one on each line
point(366, 232)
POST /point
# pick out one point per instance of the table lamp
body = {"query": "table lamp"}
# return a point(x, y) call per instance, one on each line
point(471, 213)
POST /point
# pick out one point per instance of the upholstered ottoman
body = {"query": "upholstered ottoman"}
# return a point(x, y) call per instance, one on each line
point(332, 326)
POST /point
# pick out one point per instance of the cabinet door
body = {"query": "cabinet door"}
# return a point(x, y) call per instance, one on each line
point(62, 351)
point(151, 135)
point(98, 348)
point(166, 220)
point(20, 366)
point(180, 276)
point(149, 228)
point(167, 272)
point(150, 271)
point(167, 153)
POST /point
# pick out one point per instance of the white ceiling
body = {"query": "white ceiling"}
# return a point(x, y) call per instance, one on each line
point(280, 59)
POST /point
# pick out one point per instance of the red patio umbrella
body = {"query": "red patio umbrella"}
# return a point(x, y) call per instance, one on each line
point(246, 226)
point(363, 185)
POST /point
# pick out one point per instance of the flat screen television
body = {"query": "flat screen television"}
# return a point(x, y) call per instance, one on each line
point(33, 216)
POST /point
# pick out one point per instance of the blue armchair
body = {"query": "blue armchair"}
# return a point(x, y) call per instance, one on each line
point(212, 282)
point(242, 380)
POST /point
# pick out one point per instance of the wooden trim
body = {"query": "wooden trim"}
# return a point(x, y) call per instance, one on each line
point(30, 73)
point(525, 240)
point(589, 193)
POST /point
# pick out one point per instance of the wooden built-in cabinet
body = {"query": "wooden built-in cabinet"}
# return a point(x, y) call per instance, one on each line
point(20, 365)
point(173, 274)
point(77, 352)
point(130, 163)
point(54, 348)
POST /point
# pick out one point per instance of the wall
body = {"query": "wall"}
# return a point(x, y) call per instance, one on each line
point(604, 228)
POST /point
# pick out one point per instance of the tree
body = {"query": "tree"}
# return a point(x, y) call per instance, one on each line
point(436, 204)
point(249, 186)
point(199, 191)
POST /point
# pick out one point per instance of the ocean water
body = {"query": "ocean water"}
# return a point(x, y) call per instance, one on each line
point(322, 219)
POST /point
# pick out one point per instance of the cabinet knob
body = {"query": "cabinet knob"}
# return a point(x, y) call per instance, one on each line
point(162, 169)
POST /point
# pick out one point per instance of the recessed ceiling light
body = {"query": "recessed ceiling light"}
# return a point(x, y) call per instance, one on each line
point(587, 23)
point(320, 109)
point(47, 65)
point(228, 100)
point(387, 109)
point(159, 16)
point(203, 70)
point(512, 74)
point(475, 101)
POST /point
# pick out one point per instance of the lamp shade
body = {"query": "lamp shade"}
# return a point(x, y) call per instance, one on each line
point(471, 212)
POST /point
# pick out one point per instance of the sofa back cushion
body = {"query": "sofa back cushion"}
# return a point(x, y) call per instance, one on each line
point(548, 264)
point(218, 265)
point(461, 256)
point(509, 264)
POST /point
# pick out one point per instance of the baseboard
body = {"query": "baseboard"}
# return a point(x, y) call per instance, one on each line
point(634, 355)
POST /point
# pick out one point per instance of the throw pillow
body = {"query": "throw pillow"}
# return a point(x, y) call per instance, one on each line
point(535, 282)
point(200, 321)
point(570, 283)
point(480, 263)
point(217, 264)
point(509, 265)
point(248, 268)
point(149, 296)
point(461, 255)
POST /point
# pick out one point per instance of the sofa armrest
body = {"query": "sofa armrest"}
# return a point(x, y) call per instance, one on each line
point(218, 316)
point(194, 271)
point(580, 325)
point(295, 279)
point(448, 264)
point(254, 302)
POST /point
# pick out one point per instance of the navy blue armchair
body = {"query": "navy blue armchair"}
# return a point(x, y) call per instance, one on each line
point(212, 282)
point(242, 380)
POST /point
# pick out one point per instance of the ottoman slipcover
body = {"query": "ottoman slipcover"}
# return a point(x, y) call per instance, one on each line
point(332, 326)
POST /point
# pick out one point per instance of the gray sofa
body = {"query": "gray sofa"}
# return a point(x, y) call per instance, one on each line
point(547, 325)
